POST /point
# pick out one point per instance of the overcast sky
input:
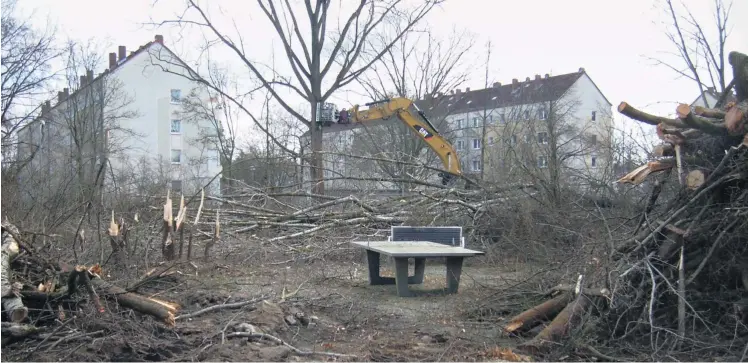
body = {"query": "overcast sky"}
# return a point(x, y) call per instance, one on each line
point(610, 39)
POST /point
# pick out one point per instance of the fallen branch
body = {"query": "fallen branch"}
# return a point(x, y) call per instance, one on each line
point(219, 307)
point(546, 310)
point(279, 341)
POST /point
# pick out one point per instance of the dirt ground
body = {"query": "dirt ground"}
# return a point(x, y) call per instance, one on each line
point(340, 313)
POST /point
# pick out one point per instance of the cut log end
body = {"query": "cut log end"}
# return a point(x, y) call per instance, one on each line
point(683, 110)
point(622, 107)
point(695, 179)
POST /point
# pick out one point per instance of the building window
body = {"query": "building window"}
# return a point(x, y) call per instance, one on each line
point(476, 144)
point(593, 140)
point(502, 117)
point(176, 126)
point(176, 186)
point(594, 115)
point(176, 95)
point(176, 156)
point(513, 140)
point(476, 165)
point(542, 137)
point(527, 138)
point(475, 122)
point(542, 114)
point(460, 145)
point(459, 123)
point(542, 161)
point(593, 161)
point(527, 114)
point(490, 140)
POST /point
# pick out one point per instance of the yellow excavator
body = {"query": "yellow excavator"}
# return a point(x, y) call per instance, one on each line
point(405, 111)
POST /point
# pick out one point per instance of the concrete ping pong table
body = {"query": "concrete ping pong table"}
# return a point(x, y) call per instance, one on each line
point(401, 251)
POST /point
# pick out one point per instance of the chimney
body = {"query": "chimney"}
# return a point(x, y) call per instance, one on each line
point(537, 77)
point(122, 53)
point(496, 84)
point(546, 76)
point(527, 79)
point(458, 91)
point(159, 39)
point(66, 92)
point(515, 81)
point(83, 81)
point(467, 89)
point(45, 108)
point(48, 104)
point(581, 70)
point(89, 75)
point(112, 60)
point(60, 97)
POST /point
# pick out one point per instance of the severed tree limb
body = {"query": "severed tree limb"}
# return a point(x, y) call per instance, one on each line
point(151, 306)
point(546, 310)
point(561, 325)
point(709, 112)
point(712, 127)
point(219, 307)
point(641, 116)
point(279, 341)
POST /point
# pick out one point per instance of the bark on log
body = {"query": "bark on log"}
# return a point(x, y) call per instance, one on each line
point(11, 298)
point(696, 178)
point(709, 112)
point(712, 127)
point(545, 311)
point(641, 116)
point(157, 308)
point(562, 324)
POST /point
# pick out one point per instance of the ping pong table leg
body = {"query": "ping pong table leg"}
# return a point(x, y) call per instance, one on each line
point(401, 276)
point(418, 271)
point(454, 270)
point(374, 274)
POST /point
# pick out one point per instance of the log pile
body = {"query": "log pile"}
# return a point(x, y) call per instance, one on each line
point(32, 283)
point(682, 279)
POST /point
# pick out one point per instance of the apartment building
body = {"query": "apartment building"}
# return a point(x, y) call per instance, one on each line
point(126, 122)
point(498, 132)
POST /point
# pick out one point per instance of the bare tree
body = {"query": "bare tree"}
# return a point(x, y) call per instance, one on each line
point(700, 51)
point(547, 143)
point(27, 54)
point(312, 57)
point(70, 144)
point(222, 116)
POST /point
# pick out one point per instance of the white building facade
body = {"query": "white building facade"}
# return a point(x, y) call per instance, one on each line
point(142, 138)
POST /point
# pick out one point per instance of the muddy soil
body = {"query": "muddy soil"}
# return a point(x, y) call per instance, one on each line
point(320, 306)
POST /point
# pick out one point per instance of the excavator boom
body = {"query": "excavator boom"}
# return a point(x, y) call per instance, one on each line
point(407, 112)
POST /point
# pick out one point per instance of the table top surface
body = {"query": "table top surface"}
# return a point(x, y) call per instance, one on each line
point(416, 249)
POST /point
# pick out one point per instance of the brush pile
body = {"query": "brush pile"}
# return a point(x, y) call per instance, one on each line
point(681, 282)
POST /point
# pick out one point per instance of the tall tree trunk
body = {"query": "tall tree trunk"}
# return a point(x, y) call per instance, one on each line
point(317, 165)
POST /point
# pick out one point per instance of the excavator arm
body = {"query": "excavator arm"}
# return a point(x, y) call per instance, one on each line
point(407, 112)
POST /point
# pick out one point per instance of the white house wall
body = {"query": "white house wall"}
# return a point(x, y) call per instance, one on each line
point(151, 88)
